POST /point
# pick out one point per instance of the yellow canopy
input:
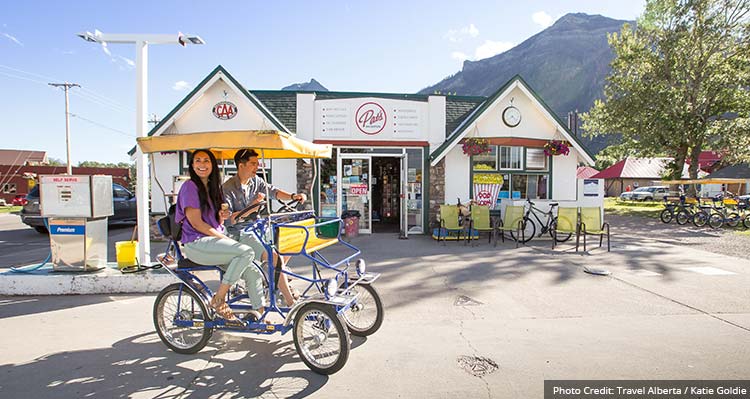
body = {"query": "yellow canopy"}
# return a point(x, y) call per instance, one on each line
point(704, 181)
point(271, 144)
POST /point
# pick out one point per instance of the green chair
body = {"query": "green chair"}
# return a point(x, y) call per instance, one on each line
point(480, 221)
point(449, 222)
point(512, 220)
point(566, 222)
point(591, 223)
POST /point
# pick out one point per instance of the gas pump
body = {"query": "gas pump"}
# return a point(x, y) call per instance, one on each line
point(76, 208)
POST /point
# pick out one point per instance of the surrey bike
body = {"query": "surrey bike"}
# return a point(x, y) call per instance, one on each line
point(529, 227)
point(338, 300)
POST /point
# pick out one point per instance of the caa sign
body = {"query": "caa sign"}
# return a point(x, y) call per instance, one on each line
point(370, 118)
point(225, 110)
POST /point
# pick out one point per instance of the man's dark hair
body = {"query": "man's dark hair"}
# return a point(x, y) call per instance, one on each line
point(243, 155)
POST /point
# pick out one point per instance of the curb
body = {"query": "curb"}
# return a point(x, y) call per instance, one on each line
point(105, 281)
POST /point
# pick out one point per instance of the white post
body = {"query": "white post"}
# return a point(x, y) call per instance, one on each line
point(67, 128)
point(141, 161)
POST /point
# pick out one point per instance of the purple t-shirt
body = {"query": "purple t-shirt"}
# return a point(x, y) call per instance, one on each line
point(188, 198)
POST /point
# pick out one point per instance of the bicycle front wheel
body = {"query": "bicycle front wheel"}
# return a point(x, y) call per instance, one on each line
point(529, 230)
point(716, 220)
point(700, 219)
point(733, 219)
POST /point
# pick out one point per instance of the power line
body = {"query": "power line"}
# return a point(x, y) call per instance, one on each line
point(131, 135)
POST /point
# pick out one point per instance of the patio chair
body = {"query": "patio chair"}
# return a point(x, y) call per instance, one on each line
point(566, 222)
point(480, 221)
point(512, 220)
point(591, 224)
point(449, 222)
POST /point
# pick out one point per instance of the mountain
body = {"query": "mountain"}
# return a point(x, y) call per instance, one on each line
point(566, 64)
point(312, 85)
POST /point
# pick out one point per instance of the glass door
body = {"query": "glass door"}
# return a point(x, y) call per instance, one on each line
point(354, 192)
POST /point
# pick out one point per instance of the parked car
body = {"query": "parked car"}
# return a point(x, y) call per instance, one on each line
point(19, 200)
point(646, 193)
point(123, 202)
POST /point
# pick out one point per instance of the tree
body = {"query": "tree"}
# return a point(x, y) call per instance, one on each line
point(679, 82)
point(55, 162)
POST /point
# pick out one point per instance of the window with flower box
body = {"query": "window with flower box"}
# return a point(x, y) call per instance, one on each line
point(525, 171)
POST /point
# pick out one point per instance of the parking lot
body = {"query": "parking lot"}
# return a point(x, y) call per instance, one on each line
point(460, 321)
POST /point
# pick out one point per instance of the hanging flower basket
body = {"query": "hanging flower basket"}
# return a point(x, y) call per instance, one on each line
point(475, 146)
point(556, 147)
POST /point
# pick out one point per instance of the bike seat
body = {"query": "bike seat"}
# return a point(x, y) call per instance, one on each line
point(553, 204)
point(186, 263)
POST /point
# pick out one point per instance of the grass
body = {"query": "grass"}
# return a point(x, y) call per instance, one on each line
point(10, 209)
point(649, 209)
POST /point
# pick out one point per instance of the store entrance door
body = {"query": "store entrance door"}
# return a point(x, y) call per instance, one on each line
point(386, 195)
point(355, 192)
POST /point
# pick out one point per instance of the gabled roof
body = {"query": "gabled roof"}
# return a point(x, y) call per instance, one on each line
point(202, 87)
point(637, 168)
point(741, 171)
point(584, 172)
point(517, 81)
point(22, 157)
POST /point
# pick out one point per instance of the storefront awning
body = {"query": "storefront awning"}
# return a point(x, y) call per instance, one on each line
point(271, 144)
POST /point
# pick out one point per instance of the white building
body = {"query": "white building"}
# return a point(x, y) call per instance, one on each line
point(397, 157)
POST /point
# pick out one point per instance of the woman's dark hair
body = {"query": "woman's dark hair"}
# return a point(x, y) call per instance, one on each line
point(215, 193)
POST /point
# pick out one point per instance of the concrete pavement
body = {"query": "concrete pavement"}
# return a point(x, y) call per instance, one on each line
point(666, 312)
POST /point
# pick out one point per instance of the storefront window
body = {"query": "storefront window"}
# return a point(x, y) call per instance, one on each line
point(328, 183)
point(510, 157)
point(535, 159)
point(486, 161)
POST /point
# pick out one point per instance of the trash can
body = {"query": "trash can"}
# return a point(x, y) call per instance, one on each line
point(351, 222)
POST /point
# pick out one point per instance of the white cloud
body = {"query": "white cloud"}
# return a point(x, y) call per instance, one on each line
point(542, 18)
point(490, 48)
point(461, 57)
point(457, 35)
point(11, 38)
point(180, 85)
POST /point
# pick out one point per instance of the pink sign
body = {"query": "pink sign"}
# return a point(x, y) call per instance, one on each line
point(360, 189)
point(370, 118)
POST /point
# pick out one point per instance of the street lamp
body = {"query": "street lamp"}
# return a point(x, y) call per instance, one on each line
point(141, 42)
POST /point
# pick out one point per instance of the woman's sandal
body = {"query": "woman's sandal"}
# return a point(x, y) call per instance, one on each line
point(223, 310)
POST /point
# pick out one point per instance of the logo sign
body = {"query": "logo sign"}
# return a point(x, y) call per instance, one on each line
point(370, 118)
point(225, 110)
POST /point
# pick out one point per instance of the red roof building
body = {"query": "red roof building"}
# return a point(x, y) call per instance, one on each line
point(633, 173)
point(585, 172)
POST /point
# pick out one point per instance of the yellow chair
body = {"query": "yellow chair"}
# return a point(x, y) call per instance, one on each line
point(449, 222)
point(591, 223)
point(512, 220)
point(566, 222)
point(480, 221)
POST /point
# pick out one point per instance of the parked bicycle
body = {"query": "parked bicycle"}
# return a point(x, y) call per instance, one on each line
point(681, 211)
point(529, 227)
point(722, 214)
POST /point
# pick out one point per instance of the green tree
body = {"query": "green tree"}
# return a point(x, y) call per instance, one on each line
point(679, 82)
point(55, 162)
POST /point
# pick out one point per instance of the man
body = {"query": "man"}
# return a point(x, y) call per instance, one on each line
point(246, 188)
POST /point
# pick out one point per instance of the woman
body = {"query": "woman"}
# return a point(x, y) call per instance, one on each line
point(199, 209)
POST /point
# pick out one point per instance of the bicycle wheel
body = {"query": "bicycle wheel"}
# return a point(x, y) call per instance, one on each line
point(177, 303)
point(683, 217)
point(733, 219)
point(746, 221)
point(666, 215)
point(320, 338)
point(366, 316)
point(559, 237)
point(716, 220)
point(529, 230)
point(700, 219)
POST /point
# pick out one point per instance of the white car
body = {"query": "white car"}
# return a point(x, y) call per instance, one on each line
point(646, 194)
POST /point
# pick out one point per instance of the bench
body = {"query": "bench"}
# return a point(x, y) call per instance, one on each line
point(292, 239)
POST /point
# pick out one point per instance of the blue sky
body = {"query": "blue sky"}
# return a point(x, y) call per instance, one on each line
point(375, 46)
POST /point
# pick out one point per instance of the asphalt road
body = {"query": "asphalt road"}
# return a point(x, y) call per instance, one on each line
point(666, 312)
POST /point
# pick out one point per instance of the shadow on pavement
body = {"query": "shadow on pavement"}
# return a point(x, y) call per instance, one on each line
point(12, 306)
point(141, 366)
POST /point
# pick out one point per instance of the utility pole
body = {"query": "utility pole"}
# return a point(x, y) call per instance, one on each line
point(67, 86)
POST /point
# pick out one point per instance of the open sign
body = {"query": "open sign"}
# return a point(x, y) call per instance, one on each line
point(360, 189)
